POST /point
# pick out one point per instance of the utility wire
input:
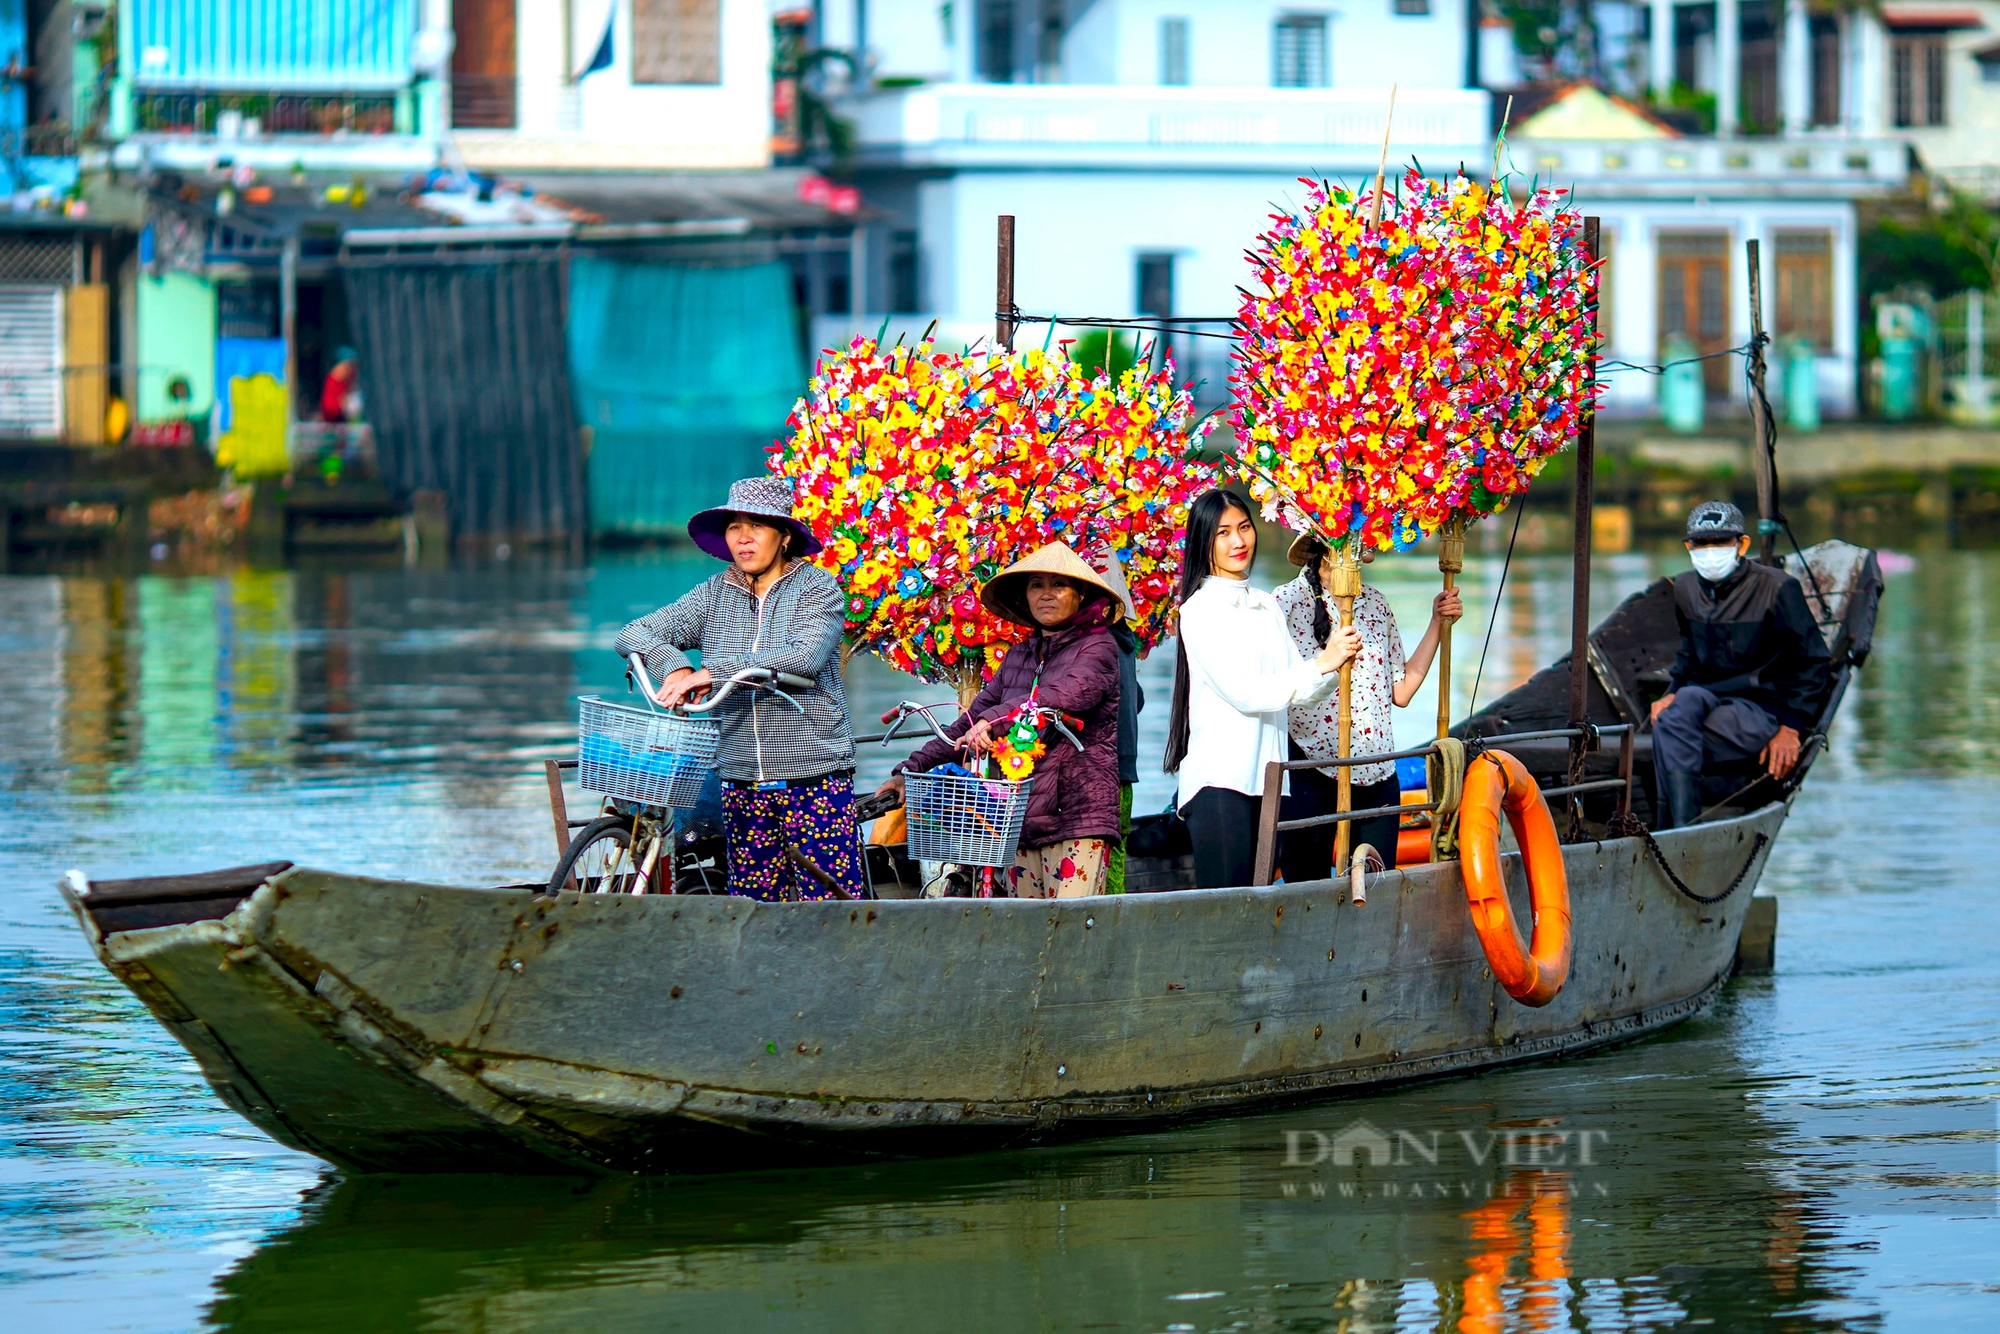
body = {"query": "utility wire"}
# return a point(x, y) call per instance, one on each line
point(1177, 325)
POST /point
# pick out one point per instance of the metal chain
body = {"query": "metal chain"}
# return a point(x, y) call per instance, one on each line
point(1653, 846)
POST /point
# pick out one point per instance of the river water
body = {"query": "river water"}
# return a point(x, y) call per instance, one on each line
point(1817, 1151)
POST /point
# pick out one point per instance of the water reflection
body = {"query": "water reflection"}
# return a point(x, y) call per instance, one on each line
point(392, 721)
point(1684, 1214)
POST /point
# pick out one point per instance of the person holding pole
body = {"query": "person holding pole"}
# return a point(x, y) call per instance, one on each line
point(1382, 676)
point(1235, 676)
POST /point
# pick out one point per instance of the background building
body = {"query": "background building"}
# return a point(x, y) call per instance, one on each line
point(1143, 142)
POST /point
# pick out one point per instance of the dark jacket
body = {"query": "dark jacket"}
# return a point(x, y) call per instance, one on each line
point(794, 627)
point(1752, 637)
point(1075, 795)
point(1131, 699)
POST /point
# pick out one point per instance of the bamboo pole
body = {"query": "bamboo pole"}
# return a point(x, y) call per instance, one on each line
point(1767, 499)
point(1344, 587)
point(1579, 613)
point(1451, 562)
point(1382, 167)
point(1003, 295)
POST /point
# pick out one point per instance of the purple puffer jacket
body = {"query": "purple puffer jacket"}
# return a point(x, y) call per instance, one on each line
point(1075, 794)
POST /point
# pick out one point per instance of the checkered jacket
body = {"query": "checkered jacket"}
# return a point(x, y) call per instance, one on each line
point(795, 627)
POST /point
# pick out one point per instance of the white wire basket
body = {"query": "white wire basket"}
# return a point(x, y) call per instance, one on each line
point(970, 821)
point(660, 759)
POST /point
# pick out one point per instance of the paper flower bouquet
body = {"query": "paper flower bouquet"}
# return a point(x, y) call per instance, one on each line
point(927, 472)
point(1390, 376)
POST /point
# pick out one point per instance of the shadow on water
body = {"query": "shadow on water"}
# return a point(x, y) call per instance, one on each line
point(1649, 1189)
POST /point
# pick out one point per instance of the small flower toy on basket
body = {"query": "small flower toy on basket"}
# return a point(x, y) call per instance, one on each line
point(1021, 744)
point(926, 472)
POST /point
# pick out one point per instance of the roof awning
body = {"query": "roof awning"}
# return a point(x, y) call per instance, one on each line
point(1930, 18)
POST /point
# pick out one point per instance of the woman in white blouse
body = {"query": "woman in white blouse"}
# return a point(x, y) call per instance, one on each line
point(1381, 677)
point(1237, 674)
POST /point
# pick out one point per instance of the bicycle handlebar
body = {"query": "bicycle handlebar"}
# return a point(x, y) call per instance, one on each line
point(753, 678)
point(897, 716)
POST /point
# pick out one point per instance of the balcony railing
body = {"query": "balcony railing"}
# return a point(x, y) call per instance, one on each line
point(1763, 166)
point(1123, 125)
point(274, 113)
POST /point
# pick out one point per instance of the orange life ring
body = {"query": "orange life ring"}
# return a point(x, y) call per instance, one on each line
point(1494, 782)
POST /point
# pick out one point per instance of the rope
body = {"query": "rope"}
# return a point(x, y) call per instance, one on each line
point(1652, 846)
point(1472, 706)
point(1447, 772)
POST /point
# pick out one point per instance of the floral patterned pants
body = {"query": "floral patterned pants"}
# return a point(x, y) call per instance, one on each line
point(814, 816)
point(1071, 869)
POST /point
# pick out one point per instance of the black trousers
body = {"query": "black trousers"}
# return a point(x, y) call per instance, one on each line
point(1222, 823)
point(1307, 854)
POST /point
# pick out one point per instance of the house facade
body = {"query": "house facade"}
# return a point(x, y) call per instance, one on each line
point(1143, 144)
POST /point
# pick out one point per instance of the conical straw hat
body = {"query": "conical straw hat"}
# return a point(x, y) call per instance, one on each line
point(1114, 575)
point(1005, 594)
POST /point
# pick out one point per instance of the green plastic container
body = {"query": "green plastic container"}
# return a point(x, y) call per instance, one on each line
point(1683, 394)
point(1801, 386)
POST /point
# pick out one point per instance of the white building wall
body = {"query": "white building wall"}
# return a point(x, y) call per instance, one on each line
point(1079, 236)
point(608, 121)
point(1229, 41)
point(1635, 226)
point(1968, 143)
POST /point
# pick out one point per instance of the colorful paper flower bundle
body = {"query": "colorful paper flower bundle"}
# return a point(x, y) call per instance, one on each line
point(927, 472)
point(1021, 744)
point(1390, 376)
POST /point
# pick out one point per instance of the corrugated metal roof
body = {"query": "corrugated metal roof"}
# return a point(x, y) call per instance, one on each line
point(276, 45)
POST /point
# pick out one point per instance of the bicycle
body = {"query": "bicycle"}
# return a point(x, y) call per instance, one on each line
point(649, 764)
point(965, 823)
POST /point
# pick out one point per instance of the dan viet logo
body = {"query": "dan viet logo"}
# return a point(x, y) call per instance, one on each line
point(1363, 1162)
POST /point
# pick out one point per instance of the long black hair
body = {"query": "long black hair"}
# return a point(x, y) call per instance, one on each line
point(1197, 563)
point(1314, 551)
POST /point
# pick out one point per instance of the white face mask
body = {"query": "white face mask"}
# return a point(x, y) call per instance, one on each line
point(1714, 563)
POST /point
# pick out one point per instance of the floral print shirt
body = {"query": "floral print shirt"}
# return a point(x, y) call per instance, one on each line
point(1316, 727)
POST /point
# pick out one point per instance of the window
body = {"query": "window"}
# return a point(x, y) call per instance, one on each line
point(1825, 58)
point(676, 41)
point(1693, 294)
point(1988, 58)
point(996, 41)
point(1917, 68)
point(1805, 287)
point(1298, 51)
point(1413, 6)
point(904, 296)
point(1174, 52)
point(1156, 285)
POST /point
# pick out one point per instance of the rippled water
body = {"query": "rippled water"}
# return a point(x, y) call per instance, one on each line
point(1817, 1151)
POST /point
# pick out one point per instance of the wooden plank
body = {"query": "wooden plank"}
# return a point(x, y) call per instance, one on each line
point(163, 888)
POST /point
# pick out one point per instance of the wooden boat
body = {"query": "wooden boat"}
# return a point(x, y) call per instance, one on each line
point(390, 1026)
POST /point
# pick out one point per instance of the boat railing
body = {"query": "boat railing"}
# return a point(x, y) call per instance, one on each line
point(1269, 826)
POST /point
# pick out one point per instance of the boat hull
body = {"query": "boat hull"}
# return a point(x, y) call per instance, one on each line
point(390, 1026)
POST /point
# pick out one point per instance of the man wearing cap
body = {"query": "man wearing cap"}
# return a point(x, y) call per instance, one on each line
point(787, 776)
point(1751, 671)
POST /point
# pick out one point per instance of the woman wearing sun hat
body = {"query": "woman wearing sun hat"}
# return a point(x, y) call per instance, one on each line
point(1069, 664)
point(787, 776)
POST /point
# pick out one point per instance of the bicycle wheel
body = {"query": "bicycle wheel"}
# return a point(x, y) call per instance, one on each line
point(600, 848)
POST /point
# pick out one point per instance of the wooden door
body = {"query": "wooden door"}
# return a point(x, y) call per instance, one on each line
point(1694, 299)
point(482, 64)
